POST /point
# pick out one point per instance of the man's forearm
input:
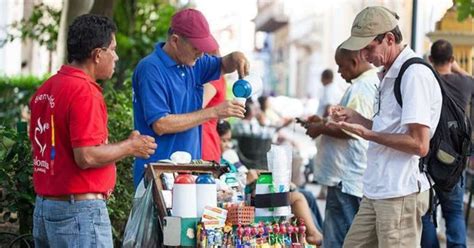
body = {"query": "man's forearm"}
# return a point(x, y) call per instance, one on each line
point(335, 132)
point(179, 123)
point(364, 122)
point(98, 156)
point(317, 128)
point(401, 142)
point(232, 61)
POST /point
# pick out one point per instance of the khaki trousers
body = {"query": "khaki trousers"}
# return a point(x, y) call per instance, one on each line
point(388, 223)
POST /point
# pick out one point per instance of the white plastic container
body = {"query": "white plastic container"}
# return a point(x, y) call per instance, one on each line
point(184, 196)
point(206, 193)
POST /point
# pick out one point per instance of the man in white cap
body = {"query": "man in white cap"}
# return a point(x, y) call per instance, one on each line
point(396, 193)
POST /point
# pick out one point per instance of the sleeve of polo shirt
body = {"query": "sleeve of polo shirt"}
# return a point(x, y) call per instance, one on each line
point(362, 99)
point(208, 68)
point(153, 94)
point(86, 121)
point(419, 90)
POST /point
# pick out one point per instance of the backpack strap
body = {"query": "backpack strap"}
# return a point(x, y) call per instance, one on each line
point(432, 201)
point(398, 80)
point(398, 94)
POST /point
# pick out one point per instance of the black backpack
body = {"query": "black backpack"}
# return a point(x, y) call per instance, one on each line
point(451, 142)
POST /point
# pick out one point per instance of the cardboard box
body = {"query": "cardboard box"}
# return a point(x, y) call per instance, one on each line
point(179, 231)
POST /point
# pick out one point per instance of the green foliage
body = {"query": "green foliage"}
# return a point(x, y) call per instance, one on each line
point(42, 26)
point(140, 25)
point(465, 9)
point(15, 149)
point(15, 93)
point(16, 175)
point(119, 107)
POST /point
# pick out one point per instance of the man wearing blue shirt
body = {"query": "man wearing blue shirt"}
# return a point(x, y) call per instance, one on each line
point(168, 88)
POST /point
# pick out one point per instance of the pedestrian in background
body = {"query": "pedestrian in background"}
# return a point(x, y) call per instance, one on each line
point(461, 87)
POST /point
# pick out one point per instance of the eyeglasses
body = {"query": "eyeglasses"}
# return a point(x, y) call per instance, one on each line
point(377, 101)
point(106, 49)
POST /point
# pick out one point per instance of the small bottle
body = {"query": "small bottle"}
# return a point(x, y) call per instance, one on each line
point(233, 183)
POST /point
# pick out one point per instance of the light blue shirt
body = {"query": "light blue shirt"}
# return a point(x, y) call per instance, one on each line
point(344, 160)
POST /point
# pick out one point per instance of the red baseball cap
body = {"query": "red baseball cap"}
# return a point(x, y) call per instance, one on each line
point(192, 24)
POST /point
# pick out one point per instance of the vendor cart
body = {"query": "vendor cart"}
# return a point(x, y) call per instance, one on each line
point(178, 230)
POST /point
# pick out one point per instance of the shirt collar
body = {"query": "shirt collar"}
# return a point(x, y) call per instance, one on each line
point(76, 72)
point(372, 71)
point(163, 56)
point(397, 64)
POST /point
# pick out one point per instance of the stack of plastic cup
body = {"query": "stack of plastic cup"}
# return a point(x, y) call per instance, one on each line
point(279, 163)
point(264, 186)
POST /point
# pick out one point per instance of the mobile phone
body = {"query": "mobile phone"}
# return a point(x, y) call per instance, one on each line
point(299, 120)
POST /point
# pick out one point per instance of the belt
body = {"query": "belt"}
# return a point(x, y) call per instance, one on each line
point(76, 197)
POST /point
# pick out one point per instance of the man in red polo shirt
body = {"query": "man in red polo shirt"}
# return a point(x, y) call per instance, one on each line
point(74, 168)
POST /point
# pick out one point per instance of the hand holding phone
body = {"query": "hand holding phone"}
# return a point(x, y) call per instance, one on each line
point(301, 121)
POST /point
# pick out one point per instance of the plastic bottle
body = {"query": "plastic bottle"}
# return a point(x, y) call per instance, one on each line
point(232, 181)
point(206, 192)
point(247, 86)
point(264, 186)
point(184, 196)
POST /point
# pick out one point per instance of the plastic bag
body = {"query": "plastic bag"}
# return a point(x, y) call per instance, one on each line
point(142, 225)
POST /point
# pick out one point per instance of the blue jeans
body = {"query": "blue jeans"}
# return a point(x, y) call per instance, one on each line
point(340, 211)
point(71, 224)
point(452, 207)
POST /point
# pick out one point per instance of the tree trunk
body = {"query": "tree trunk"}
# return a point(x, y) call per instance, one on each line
point(50, 61)
point(71, 10)
point(103, 7)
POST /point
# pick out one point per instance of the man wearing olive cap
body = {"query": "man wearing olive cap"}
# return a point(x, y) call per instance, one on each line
point(168, 88)
point(396, 193)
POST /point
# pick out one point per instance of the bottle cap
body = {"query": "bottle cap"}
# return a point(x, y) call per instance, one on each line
point(242, 89)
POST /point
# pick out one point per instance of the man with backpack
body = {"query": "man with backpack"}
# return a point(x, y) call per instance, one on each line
point(396, 192)
point(461, 87)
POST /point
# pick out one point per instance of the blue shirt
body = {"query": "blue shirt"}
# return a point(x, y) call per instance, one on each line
point(162, 87)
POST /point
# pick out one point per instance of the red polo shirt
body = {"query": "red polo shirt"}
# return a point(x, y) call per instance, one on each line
point(68, 111)
point(211, 142)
